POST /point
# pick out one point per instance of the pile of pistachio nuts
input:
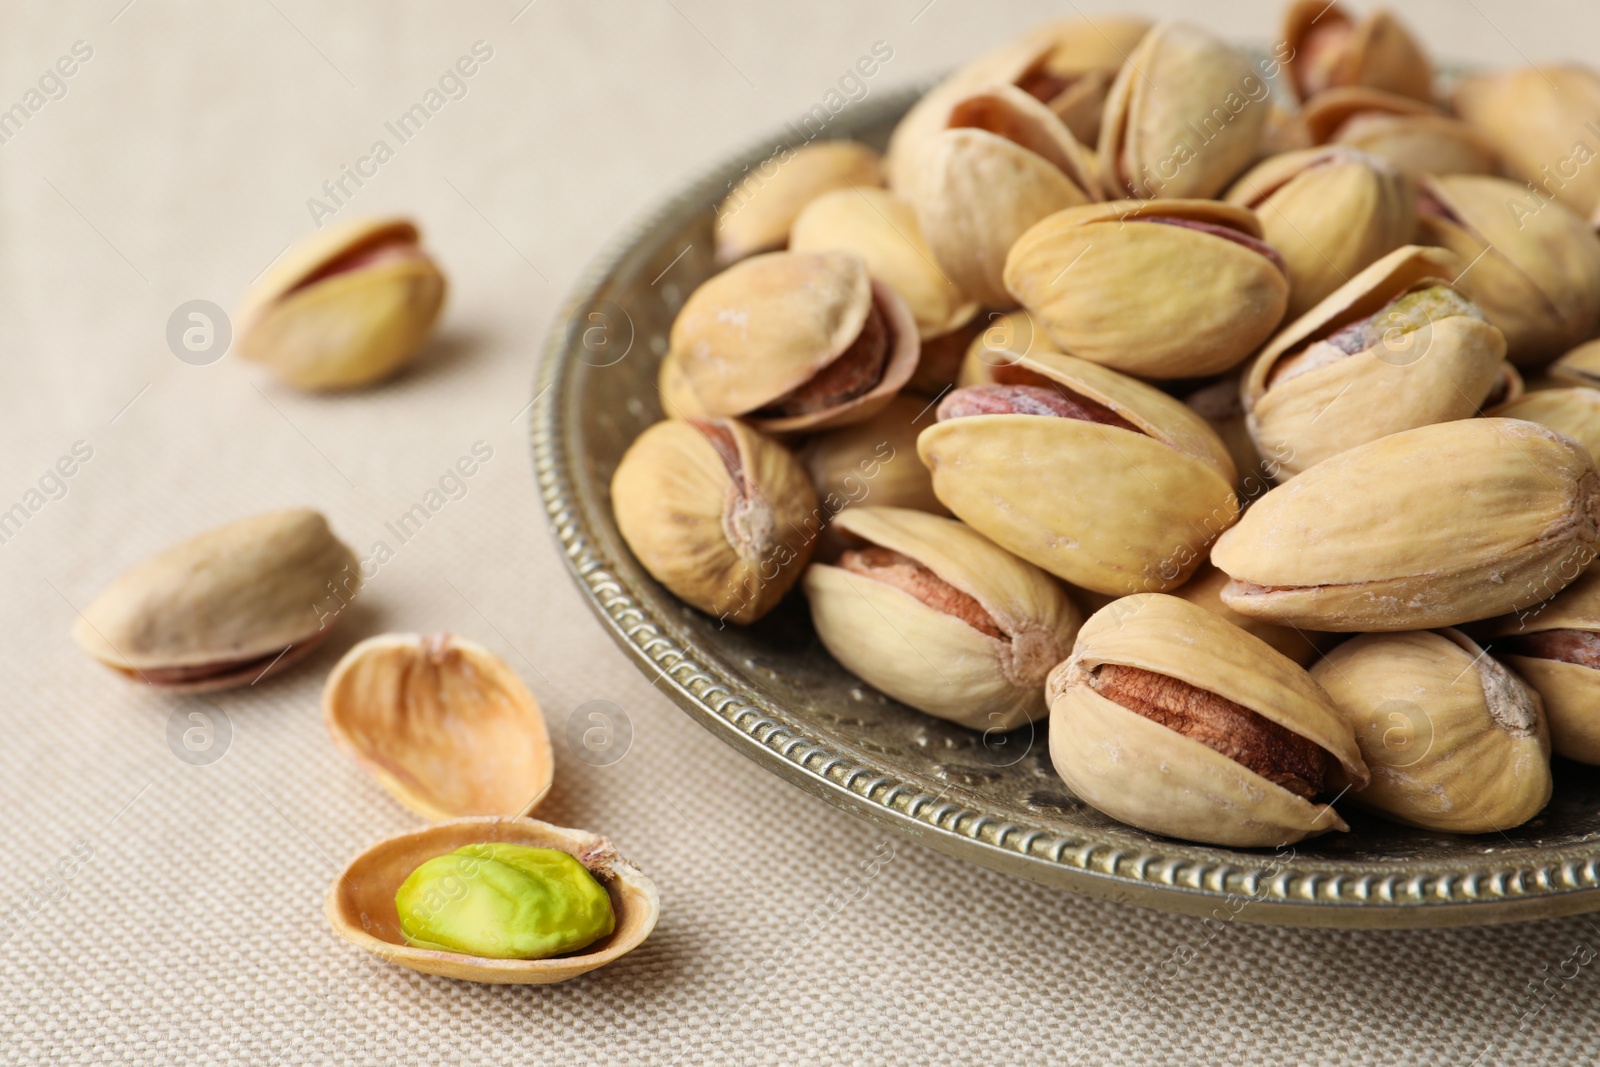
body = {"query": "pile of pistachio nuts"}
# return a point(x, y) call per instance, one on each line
point(1279, 366)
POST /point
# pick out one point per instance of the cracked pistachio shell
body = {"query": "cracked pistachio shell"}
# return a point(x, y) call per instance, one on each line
point(1429, 358)
point(931, 659)
point(1004, 339)
point(1142, 773)
point(1436, 526)
point(1329, 50)
point(1003, 162)
point(1159, 301)
point(1455, 742)
point(1205, 590)
point(1184, 118)
point(1581, 366)
point(1414, 137)
point(1542, 120)
point(874, 461)
point(347, 307)
point(758, 214)
point(721, 515)
point(1110, 509)
point(882, 229)
point(1536, 265)
point(442, 723)
point(1573, 411)
point(360, 905)
point(225, 607)
point(1571, 690)
point(1330, 213)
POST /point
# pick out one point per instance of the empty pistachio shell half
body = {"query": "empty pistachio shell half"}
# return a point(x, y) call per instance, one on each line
point(757, 214)
point(226, 607)
point(1415, 137)
point(347, 307)
point(935, 615)
point(1329, 49)
point(1538, 117)
point(1430, 527)
point(1556, 647)
point(361, 902)
point(1455, 742)
point(442, 723)
point(1574, 411)
point(1173, 720)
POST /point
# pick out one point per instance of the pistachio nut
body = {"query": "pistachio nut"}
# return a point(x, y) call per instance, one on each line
point(1396, 347)
point(226, 607)
point(1002, 340)
point(719, 514)
point(1574, 411)
point(1455, 742)
point(1536, 267)
point(1160, 289)
point(1099, 479)
point(756, 216)
point(1184, 118)
point(1003, 162)
point(1581, 366)
point(874, 461)
point(1556, 647)
point(442, 723)
point(347, 307)
point(1415, 137)
point(1430, 527)
point(1545, 121)
point(1330, 212)
point(795, 341)
point(1220, 404)
point(1330, 50)
point(1204, 590)
point(938, 617)
point(678, 400)
point(1173, 720)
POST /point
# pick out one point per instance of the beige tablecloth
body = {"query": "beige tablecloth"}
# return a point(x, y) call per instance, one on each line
point(153, 911)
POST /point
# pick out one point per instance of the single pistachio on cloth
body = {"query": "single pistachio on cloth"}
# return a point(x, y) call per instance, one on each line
point(347, 307)
point(874, 461)
point(1545, 121)
point(1555, 645)
point(1102, 480)
point(1003, 339)
point(1430, 527)
point(938, 617)
point(1535, 265)
point(721, 515)
point(1455, 742)
point(1330, 50)
point(226, 607)
point(756, 216)
point(1220, 404)
point(1154, 288)
point(1003, 162)
point(1184, 118)
point(1173, 720)
point(1204, 590)
point(361, 905)
point(1574, 411)
point(795, 341)
point(442, 723)
point(1415, 137)
point(1330, 213)
point(1394, 348)
point(1581, 366)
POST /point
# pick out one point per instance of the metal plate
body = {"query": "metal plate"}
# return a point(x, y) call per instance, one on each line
point(772, 692)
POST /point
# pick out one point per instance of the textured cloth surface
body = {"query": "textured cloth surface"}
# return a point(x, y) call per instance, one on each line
point(157, 912)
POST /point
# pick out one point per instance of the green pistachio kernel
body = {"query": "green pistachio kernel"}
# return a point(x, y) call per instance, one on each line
point(504, 901)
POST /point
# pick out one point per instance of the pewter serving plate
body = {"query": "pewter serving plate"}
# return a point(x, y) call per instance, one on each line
point(772, 692)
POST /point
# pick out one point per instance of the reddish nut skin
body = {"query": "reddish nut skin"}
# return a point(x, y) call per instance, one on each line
point(857, 370)
point(909, 576)
point(1581, 647)
point(1028, 400)
point(1260, 248)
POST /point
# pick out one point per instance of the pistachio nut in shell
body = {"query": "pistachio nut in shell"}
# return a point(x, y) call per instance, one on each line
point(1430, 527)
point(225, 607)
point(1581, 366)
point(360, 905)
point(1003, 162)
point(718, 513)
point(1330, 213)
point(1394, 348)
point(1454, 740)
point(442, 723)
point(347, 307)
point(1556, 647)
point(1158, 289)
point(795, 341)
point(1543, 121)
point(1574, 411)
point(1102, 480)
point(874, 461)
point(1415, 137)
point(1173, 720)
point(1204, 590)
point(1329, 50)
point(1536, 265)
point(757, 214)
point(940, 618)
point(1184, 118)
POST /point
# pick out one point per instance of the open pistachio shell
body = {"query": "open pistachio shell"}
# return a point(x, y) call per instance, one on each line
point(361, 909)
point(1555, 645)
point(1455, 742)
point(1394, 348)
point(1138, 769)
point(442, 723)
point(935, 615)
point(1581, 366)
point(347, 307)
point(1543, 120)
point(1574, 411)
point(1415, 137)
point(1435, 526)
point(758, 214)
point(226, 607)
point(1329, 50)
